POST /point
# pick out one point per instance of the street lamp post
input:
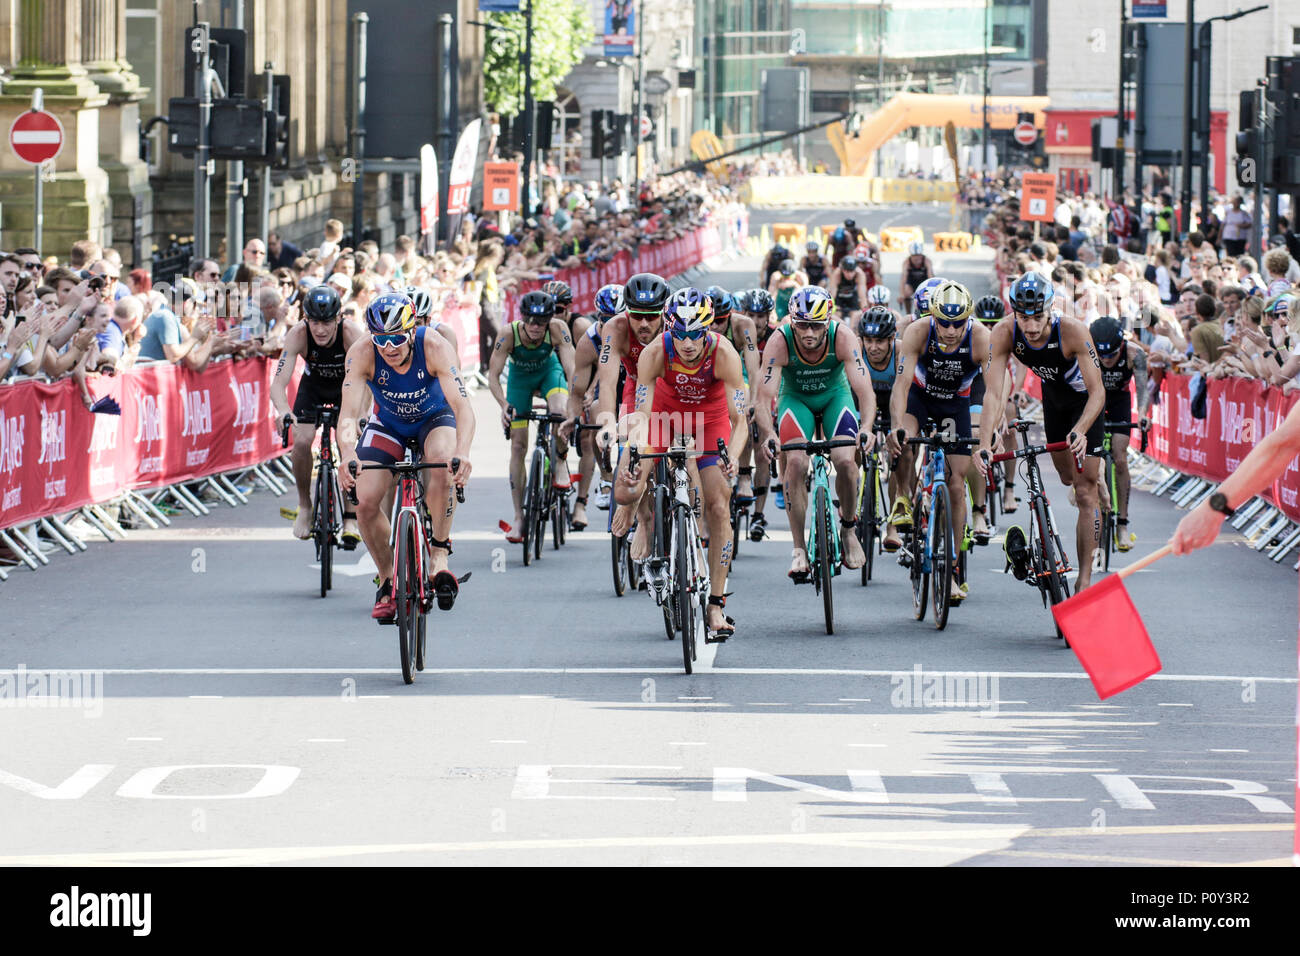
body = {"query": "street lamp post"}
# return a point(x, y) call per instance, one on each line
point(880, 76)
point(528, 109)
point(984, 141)
point(1189, 67)
point(640, 88)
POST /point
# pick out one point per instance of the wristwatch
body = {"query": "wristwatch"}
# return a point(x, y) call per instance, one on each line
point(1219, 503)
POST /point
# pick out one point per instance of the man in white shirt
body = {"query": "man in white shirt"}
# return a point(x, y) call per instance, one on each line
point(1236, 228)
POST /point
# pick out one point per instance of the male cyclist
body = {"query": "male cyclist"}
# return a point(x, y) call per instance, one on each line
point(916, 269)
point(690, 385)
point(878, 333)
point(920, 298)
point(1060, 352)
point(878, 295)
point(540, 353)
point(742, 335)
point(323, 342)
point(583, 391)
point(990, 310)
point(848, 288)
point(1121, 362)
point(760, 305)
point(941, 359)
point(783, 283)
point(823, 385)
point(813, 263)
point(404, 368)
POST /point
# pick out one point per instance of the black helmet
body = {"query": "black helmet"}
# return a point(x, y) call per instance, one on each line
point(878, 322)
point(850, 224)
point(1031, 294)
point(787, 267)
point(322, 304)
point(537, 303)
point(990, 308)
point(1107, 335)
point(760, 301)
point(780, 252)
point(559, 290)
point(646, 292)
point(723, 303)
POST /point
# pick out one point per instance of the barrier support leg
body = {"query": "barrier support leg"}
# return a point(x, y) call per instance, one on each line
point(225, 482)
point(142, 503)
point(1245, 514)
point(108, 520)
point(93, 518)
point(19, 549)
point(1268, 516)
point(1285, 545)
point(48, 527)
point(132, 506)
point(28, 537)
point(268, 478)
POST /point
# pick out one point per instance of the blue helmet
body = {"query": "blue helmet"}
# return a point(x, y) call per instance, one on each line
point(609, 301)
point(723, 303)
point(1031, 294)
point(921, 297)
point(390, 313)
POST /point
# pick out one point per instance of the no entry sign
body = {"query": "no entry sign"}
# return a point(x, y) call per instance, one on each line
point(1025, 134)
point(36, 136)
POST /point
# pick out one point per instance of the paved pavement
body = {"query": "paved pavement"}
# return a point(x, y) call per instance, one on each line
point(239, 717)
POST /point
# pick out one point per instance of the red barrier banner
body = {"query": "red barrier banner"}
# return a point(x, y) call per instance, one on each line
point(463, 320)
point(176, 425)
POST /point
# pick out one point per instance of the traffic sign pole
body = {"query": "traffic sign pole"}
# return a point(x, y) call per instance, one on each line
point(38, 210)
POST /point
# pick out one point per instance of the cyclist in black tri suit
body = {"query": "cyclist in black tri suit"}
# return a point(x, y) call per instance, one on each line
point(848, 287)
point(814, 264)
point(759, 305)
point(1060, 352)
point(916, 269)
point(877, 331)
point(1121, 362)
point(323, 342)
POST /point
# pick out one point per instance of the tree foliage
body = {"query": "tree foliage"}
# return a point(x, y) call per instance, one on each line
point(561, 28)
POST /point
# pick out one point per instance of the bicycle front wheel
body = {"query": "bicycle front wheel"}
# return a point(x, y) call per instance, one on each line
point(530, 502)
point(825, 556)
point(618, 548)
point(321, 531)
point(406, 583)
point(941, 556)
point(1055, 588)
point(687, 601)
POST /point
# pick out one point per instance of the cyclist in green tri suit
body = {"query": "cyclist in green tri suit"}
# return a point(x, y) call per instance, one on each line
point(823, 382)
point(540, 353)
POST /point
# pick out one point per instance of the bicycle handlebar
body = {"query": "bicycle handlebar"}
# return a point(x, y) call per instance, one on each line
point(1037, 450)
point(819, 447)
point(1119, 426)
point(605, 461)
point(406, 468)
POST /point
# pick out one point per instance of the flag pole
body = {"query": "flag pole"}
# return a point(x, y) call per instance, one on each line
point(1151, 558)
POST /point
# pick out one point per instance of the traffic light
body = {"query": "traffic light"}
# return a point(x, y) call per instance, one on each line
point(225, 56)
point(237, 130)
point(599, 133)
point(1284, 112)
point(277, 121)
point(1249, 142)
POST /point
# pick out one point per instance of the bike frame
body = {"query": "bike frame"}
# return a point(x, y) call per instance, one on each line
point(819, 476)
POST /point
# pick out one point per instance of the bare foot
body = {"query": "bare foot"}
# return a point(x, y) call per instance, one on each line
point(981, 526)
point(302, 523)
point(799, 564)
point(745, 487)
point(622, 520)
point(715, 617)
point(350, 528)
point(641, 543)
point(1008, 500)
point(579, 514)
point(853, 557)
point(893, 540)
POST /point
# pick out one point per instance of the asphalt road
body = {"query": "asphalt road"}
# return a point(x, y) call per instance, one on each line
point(244, 719)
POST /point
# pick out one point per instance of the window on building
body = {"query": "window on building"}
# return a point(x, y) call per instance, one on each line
point(830, 101)
point(143, 41)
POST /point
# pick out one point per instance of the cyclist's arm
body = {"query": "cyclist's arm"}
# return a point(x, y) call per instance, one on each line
point(861, 283)
point(648, 369)
point(749, 349)
point(834, 283)
point(563, 344)
point(912, 342)
point(505, 344)
point(1139, 360)
point(607, 366)
point(358, 366)
point(999, 349)
point(583, 373)
point(443, 363)
point(729, 370)
point(849, 352)
point(1075, 336)
point(775, 357)
point(293, 343)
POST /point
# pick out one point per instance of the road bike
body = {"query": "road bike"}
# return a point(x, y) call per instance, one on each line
point(740, 506)
point(411, 535)
point(823, 543)
point(930, 548)
point(874, 503)
point(543, 501)
point(1048, 562)
point(326, 499)
point(627, 573)
point(678, 568)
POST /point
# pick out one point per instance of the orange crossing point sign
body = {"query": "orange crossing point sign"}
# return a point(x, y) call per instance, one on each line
point(1038, 197)
point(500, 187)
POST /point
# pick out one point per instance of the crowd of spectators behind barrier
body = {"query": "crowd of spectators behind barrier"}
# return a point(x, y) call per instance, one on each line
point(76, 314)
point(1197, 303)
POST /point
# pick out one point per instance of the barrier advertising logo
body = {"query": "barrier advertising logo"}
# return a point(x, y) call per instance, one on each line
point(198, 412)
point(148, 427)
point(53, 436)
point(11, 456)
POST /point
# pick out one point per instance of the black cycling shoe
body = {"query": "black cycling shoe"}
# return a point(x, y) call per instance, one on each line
point(757, 527)
point(1017, 550)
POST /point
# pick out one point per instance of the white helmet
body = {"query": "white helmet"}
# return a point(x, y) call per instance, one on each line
point(878, 295)
point(421, 301)
point(916, 248)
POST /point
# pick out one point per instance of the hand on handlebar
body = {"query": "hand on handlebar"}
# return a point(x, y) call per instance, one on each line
point(348, 476)
point(866, 440)
point(1144, 423)
point(507, 416)
point(895, 441)
point(1078, 443)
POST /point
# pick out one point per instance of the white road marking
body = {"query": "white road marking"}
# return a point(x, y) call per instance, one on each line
point(687, 743)
point(1175, 705)
point(695, 698)
point(765, 704)
point(868, 745)
point(205, 697)
point(1214, 750)
point(372, 697)
point(856, 700)
point(325, 740)
point(575, 671)
point(144, 738)
point(507, 741)
point(815, 704)
point(992, 788)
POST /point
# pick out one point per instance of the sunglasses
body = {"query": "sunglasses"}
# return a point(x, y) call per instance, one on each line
point(951, 323)
point(690, 336)
point(391, 341)
point(537, 319)
point(803, 326)
point(33, 265)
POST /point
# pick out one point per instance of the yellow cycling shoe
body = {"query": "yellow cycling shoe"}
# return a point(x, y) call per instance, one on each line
point(901, 514)
point(1124, 538)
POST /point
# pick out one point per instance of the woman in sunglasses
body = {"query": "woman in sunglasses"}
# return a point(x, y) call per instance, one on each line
point(824, 387)
point(405, 368)
point(690, 385)
point(942, 358)
point(540, 353)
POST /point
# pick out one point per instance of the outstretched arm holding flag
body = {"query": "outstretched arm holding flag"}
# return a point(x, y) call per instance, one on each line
point(1256, 472)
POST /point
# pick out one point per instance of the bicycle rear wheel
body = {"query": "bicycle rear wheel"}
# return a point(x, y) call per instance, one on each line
point(825, 557)
point(1055, 588)
point(941, 556)
point(687, 600)
point(920, 577)
point(407, 587)
point(736, 514)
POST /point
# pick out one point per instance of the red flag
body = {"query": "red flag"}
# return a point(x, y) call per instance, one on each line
point(1106, 632)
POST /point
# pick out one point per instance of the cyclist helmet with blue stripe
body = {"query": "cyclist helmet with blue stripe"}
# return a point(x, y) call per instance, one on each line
point(1031, 294)
point(391, 313)
point(609, 301)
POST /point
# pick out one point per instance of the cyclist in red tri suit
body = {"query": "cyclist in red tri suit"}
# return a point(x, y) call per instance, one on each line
point(690, 385)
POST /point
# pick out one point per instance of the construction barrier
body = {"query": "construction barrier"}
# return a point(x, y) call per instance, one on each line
point(954, 242)
point(790, 234)
point(896, 238)
point(911, 190)
point(846, 191)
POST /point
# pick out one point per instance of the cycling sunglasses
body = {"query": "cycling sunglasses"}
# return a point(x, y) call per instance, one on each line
point(537, 320)
point(691, 335)
point(391, 340)
point(644, 316)
point(808, 326)
point(951, 323)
